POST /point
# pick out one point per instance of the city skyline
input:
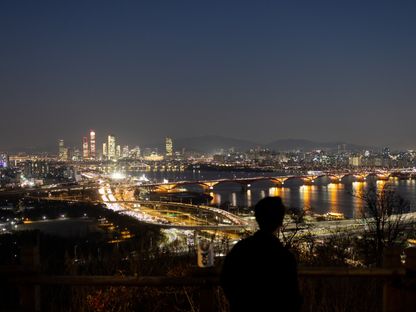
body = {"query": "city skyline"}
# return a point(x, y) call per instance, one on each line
point(204, 143)
point(323, 71)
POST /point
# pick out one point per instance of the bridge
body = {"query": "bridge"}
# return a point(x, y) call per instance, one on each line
point(280, 181)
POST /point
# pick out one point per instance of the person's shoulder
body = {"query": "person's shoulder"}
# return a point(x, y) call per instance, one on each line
point(243, 245)
point(287, 255)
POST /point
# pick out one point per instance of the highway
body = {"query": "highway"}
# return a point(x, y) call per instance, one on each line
point(169, 215)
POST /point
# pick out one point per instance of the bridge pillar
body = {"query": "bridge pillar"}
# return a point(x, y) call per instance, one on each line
point(335, 179)
point(208, 186)
point(245, 187)
point(278, 182)
point(308, 181)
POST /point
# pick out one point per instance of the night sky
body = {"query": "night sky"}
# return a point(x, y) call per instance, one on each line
point(257, 70)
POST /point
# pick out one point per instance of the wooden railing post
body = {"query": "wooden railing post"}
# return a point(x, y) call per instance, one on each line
point(30, 294)
point(391, 291)
point(409, 287)
point(400, 293)
point(207, 302)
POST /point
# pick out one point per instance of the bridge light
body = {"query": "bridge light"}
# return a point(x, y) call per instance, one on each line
point(118, 176)
point(312, 180)
point(248, 185)
point(211, 187)
point(165, 181)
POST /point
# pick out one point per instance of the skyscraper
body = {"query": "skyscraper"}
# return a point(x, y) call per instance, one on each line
point(85, 150)
point(125, 151)
point(76, 155)
point(105, 151)
point(111, 145)
point(135, 152)
point(169, 147)
point(92, 145)
point(118, 152)
point(61, 151)
point(4, 160)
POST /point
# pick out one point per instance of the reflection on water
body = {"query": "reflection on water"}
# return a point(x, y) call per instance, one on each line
point(234, 199)
point(249, 204)
point(216, 198)
point(333, 190)
point(332, 197)
point(305, 194)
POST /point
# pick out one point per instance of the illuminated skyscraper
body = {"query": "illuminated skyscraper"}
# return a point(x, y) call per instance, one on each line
point(105, 151)
point(111, 144)
point(125, 151)
point(76, 155)
point(135, 152)
point(62, 151)
point(92, 145)
point(85, 150)
point(169, 147)
point(118, 152)
point(4, 160)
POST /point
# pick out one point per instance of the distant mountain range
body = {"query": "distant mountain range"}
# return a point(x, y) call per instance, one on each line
point(213, 143)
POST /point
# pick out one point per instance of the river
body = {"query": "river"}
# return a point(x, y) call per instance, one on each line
point(321, 197)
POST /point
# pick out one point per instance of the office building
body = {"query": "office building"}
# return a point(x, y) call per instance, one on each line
point(62, 151)
point(111, 145)
point(169, 147)
point(125, 151)
point(135, 152)
point(85, 150)
point(92, 145)
point(4, 160)
point(105, 151)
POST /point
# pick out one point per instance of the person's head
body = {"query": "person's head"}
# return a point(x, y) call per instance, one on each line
point(269, 213)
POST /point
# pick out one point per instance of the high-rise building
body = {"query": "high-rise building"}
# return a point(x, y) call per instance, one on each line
point(111, 145)
point(85, 150)
point(76, 156)
point(4, 160)
point(92, 145)
point(135, 152)
point(105, 151)
point(118, 152)
point(125, 151)
point(169, 147)
point(62, 151)
point(355, 161)
point(386, 152)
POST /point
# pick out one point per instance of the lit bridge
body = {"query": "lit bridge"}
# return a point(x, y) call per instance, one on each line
point(280, 181)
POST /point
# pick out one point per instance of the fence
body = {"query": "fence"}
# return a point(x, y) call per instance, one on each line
point(399, 290)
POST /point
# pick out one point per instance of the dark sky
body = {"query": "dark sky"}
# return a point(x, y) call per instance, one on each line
point(258, 70)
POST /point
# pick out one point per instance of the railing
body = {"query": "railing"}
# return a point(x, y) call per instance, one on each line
point(399, 291)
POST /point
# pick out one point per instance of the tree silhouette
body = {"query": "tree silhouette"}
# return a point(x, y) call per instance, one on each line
point(384, 222)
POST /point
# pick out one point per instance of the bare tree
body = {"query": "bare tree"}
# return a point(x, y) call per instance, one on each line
point(292, 226)
point(383, 219)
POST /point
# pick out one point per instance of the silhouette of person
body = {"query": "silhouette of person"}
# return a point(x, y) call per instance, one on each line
point(259, 273)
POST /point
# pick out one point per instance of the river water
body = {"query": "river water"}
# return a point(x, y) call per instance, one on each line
point(321, 197)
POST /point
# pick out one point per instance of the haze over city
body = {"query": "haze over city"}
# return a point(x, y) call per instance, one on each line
point(325, 71)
